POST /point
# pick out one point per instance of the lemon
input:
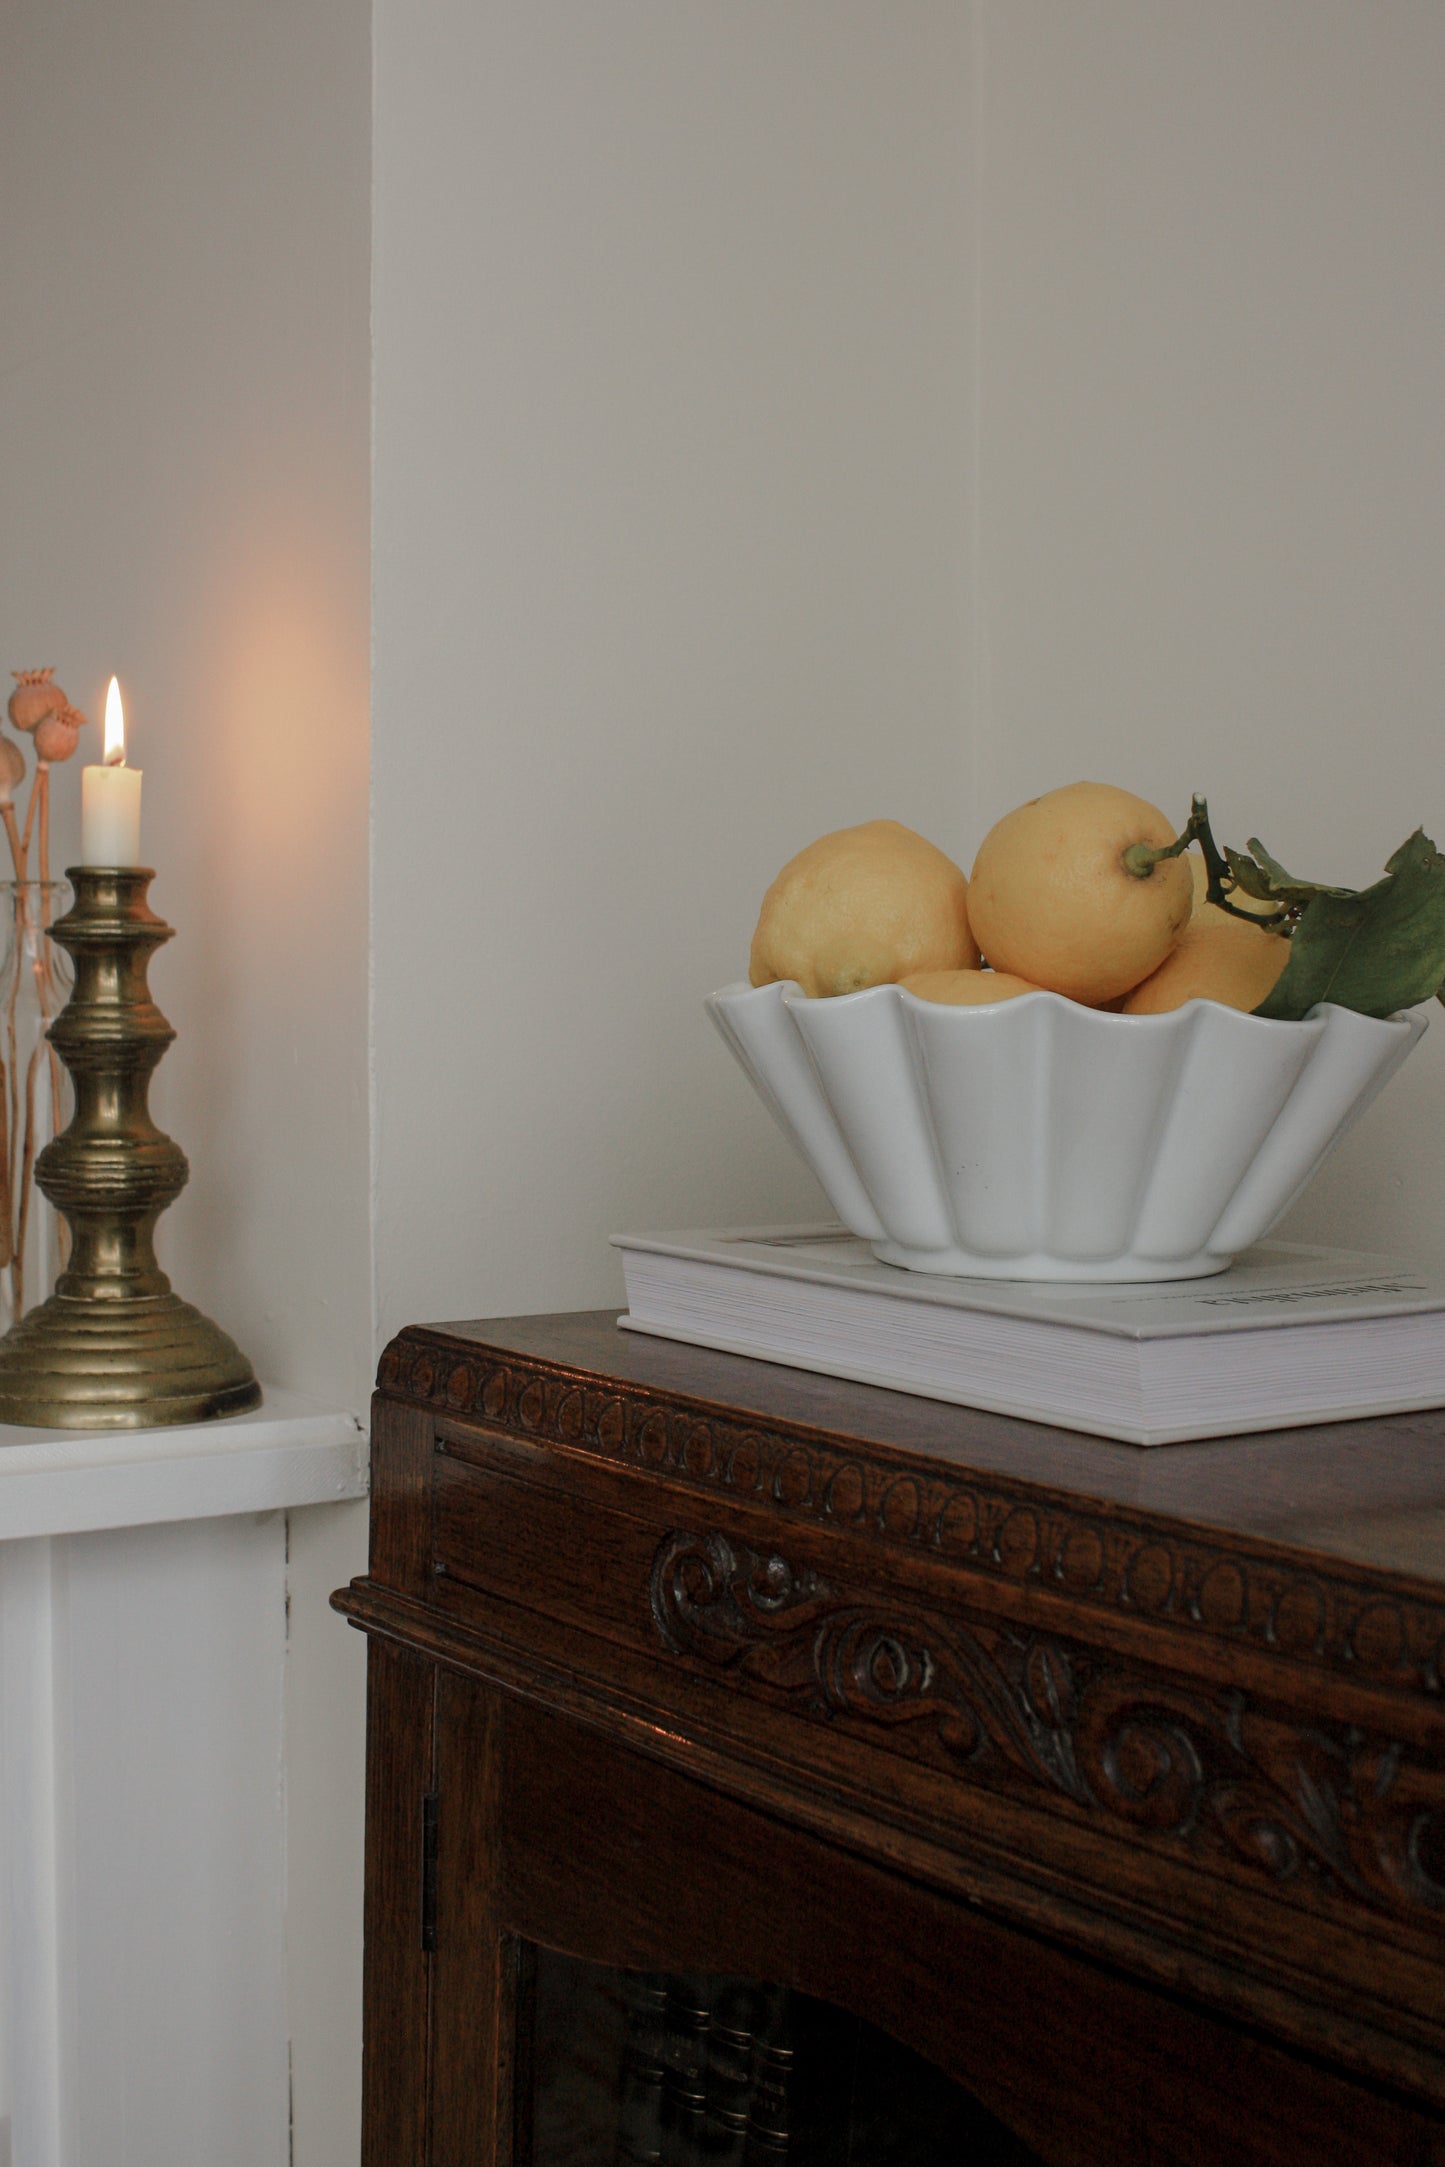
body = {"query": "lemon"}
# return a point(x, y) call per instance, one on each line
point(966, 989)
point(1052, 900)
point(863, 906)
point(1216, 958)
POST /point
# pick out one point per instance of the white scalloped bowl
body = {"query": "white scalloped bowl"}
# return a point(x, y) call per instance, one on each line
point(1037, 1139)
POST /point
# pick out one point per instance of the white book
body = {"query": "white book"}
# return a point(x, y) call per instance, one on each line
point(1290, 1334)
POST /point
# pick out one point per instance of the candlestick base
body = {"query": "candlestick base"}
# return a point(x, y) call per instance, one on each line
point(114, 1348)
point(121, 1364)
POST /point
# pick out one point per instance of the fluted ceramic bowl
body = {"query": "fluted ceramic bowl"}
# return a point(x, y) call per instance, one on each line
point(1037, 1139)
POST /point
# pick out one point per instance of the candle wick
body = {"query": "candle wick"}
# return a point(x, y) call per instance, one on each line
point(115, 757)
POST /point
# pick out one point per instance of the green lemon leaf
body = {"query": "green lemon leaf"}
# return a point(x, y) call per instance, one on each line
point(1266, 880)
point(1375, 949)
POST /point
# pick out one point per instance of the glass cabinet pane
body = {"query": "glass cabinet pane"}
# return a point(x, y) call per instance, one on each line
point(691, 2069)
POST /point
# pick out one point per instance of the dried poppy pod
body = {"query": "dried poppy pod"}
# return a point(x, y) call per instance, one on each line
point(12, 768)
point(56, 736)
point(34, 697)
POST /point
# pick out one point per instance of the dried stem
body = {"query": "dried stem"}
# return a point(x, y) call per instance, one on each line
point(45, 1001)
point(50, 1005)
point(9, 1078)
point(42, 793)
point(12, 1094)
point(17, 934)
point(7, 1068)
point(41, 768)
point(7, 1215)
point(21, 1114)
point(11, 1169)
point(24, 1111)
point(27, 1179)
point(12, 829)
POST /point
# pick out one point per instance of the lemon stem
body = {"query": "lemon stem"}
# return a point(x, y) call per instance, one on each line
point(1140, 860)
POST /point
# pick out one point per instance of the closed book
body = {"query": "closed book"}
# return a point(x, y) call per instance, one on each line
point(1291, 1333)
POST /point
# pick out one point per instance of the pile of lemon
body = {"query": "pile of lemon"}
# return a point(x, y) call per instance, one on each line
point(1051, 905)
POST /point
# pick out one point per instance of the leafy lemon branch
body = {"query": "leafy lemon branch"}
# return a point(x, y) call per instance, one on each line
point(1374, 949)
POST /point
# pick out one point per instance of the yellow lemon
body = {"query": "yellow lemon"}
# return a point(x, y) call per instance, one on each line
point(966, 989)
point(1051, 898)
point(1217, 958)
point(863, 907)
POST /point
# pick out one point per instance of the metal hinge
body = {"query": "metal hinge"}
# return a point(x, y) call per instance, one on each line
point(429, 1870)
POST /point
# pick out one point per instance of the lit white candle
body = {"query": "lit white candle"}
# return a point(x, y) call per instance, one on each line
point(110, 797)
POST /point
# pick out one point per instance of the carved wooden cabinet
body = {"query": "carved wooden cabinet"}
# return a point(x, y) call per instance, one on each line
point(1110, 1783)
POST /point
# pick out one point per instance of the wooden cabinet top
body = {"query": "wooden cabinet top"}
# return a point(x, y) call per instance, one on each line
point(1370, 1493)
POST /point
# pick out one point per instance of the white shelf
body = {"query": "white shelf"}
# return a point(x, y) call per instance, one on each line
point(142, 1743)
point(288, 1451)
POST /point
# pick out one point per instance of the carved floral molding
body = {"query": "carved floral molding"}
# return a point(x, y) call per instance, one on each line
point(1205, 1768)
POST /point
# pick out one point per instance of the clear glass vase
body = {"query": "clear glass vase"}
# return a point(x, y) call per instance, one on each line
point(35, 1090)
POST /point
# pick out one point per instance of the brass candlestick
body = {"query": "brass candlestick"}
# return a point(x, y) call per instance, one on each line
point(113, 1348)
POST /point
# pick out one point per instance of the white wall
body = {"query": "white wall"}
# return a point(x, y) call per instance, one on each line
point(183, 431)
point(184, 395)
point(786, 415)
point(1212, 474)
point(672, 516)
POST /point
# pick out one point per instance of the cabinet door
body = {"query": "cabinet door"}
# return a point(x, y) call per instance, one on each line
point(555, 1837)
point(400, 1694)
point(545, 2058)
point(474, 1958)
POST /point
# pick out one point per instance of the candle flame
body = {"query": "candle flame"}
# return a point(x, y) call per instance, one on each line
point(114, 727)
